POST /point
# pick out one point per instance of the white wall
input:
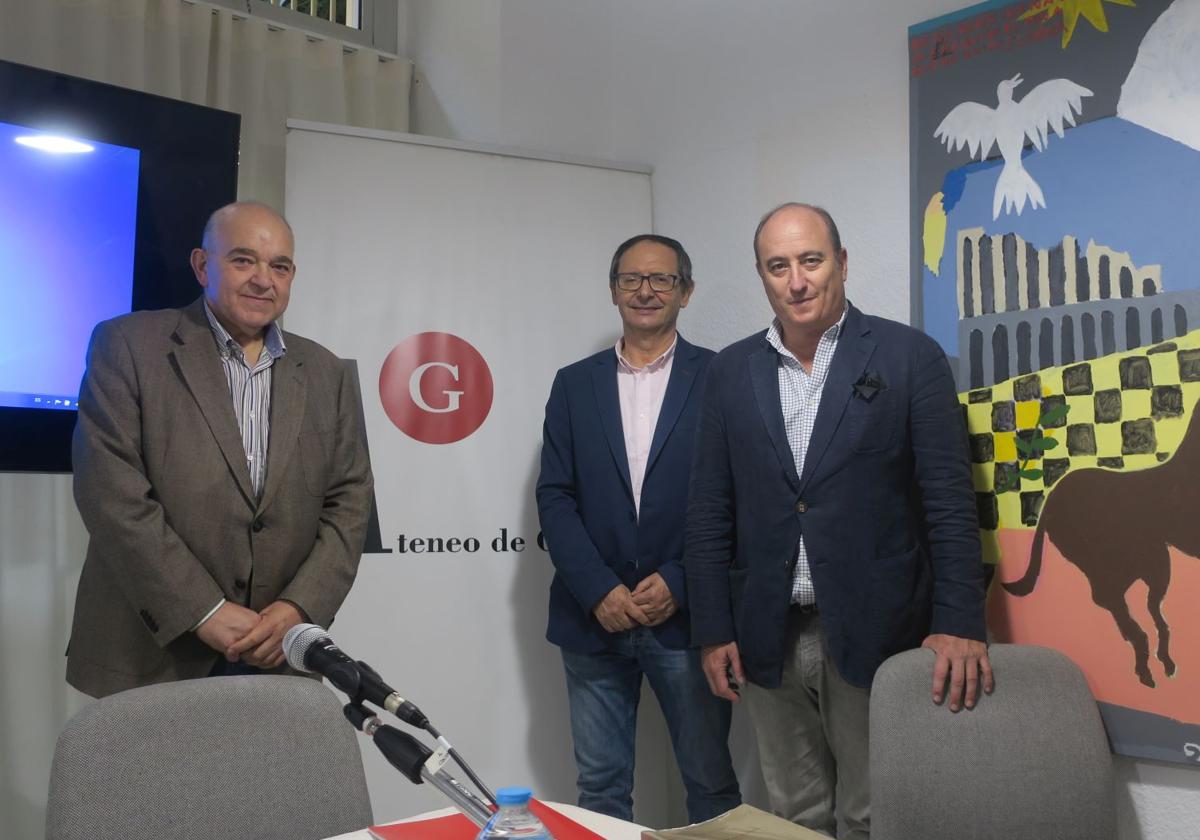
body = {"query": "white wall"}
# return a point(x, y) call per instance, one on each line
point(737, 106)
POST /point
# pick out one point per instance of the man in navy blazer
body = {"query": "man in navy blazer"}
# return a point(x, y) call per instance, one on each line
point(832, 523)
point(612, 497)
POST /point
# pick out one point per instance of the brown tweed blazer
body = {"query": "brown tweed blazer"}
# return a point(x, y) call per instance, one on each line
point(162, 485)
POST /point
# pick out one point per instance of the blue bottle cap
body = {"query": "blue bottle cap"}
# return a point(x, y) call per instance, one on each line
point(513, 795)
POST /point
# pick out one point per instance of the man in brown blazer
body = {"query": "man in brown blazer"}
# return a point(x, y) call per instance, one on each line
point(220, 471)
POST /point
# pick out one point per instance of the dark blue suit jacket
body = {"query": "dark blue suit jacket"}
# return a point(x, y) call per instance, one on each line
point(585, 499)
point(885, 504)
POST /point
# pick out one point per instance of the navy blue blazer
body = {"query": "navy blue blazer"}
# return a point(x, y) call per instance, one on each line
point(885, 504)
point(585, 499)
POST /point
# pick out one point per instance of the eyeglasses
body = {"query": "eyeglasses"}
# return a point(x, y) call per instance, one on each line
point(658, 282)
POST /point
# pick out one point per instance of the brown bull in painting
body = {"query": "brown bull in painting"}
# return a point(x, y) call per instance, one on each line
point(1117, 528)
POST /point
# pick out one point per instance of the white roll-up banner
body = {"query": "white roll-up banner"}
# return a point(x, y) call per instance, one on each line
point(457, 281)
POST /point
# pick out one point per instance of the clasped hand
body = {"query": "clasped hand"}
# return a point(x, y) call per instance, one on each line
point(256, 638)
point(649, 604)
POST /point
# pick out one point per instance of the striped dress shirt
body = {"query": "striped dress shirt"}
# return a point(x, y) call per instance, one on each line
point(250, 390)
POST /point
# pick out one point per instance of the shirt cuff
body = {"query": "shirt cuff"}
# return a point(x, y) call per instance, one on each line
point(207, 616)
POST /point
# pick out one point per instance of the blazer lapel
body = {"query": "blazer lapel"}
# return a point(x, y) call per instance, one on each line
point(608, 404)
point(764, 378)
point(196, 355)
point(850, 359)
point(288, 393)
point(679, 386)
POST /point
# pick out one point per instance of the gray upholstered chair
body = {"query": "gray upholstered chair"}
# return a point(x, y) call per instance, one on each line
point(1030, 761)
point(224, 757)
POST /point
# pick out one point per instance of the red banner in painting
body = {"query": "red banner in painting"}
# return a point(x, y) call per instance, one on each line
point(997, 29)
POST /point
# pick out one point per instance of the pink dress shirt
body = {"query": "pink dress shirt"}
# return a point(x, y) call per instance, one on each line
point(641, 391)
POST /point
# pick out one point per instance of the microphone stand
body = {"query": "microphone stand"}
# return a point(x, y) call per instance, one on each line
point(410, 714)
point(362, 684)
point(417, 762)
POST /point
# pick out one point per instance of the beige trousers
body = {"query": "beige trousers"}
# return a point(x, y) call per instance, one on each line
point(812, 738)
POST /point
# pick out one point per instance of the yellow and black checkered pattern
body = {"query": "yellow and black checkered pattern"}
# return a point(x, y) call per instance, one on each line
point(1126, 411)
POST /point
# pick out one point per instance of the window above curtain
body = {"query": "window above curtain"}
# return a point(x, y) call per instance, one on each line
point(212, 55)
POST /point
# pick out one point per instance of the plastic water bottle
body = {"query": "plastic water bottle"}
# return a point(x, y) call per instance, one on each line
point(514, 819)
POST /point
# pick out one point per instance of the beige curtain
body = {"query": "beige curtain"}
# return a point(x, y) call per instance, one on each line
point(213, 56)
point(41, 552)
point(209, 56)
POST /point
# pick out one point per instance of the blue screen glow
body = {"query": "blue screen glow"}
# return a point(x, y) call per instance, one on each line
point(67, 230)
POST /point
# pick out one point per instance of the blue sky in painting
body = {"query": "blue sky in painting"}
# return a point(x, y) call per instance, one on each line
point(1108, 180)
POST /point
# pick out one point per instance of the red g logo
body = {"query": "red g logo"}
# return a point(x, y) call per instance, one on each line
point(435, 387)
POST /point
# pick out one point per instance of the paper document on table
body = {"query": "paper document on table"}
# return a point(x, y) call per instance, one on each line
point(744, 821)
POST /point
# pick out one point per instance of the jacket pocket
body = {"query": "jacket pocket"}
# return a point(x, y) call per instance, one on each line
point(874, 425)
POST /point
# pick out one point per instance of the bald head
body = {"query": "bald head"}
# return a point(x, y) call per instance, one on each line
point(835, 238)
point(223, 215)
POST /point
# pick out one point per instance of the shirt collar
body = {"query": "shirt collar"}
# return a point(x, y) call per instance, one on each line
point(655, 365)
point(775, 333)
point(273, 342)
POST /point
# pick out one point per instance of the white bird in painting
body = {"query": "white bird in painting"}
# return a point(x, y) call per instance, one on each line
point(1047, 107)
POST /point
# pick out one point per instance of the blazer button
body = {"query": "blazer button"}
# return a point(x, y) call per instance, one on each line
point(240, 583)
point(256, 525)
point(801, 507)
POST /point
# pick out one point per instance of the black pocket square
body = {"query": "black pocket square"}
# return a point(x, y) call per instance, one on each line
point(868, 385)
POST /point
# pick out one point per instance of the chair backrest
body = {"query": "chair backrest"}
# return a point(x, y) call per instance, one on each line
point(223, 757)
point(1030, 761)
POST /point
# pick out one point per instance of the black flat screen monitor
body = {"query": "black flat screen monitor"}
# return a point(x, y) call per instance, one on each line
point(103, 193)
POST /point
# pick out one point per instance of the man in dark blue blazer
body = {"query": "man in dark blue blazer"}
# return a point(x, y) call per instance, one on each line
point(832, 523)
point(612, 497)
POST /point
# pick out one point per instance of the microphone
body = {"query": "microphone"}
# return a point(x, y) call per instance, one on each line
point(308, 648)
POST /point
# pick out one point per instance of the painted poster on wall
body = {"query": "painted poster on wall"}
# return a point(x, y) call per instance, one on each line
point(1055, 152)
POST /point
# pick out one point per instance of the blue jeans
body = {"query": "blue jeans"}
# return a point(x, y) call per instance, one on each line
point(603, 690)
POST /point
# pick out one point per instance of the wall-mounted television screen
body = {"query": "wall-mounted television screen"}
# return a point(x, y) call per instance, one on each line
point(103, 193)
